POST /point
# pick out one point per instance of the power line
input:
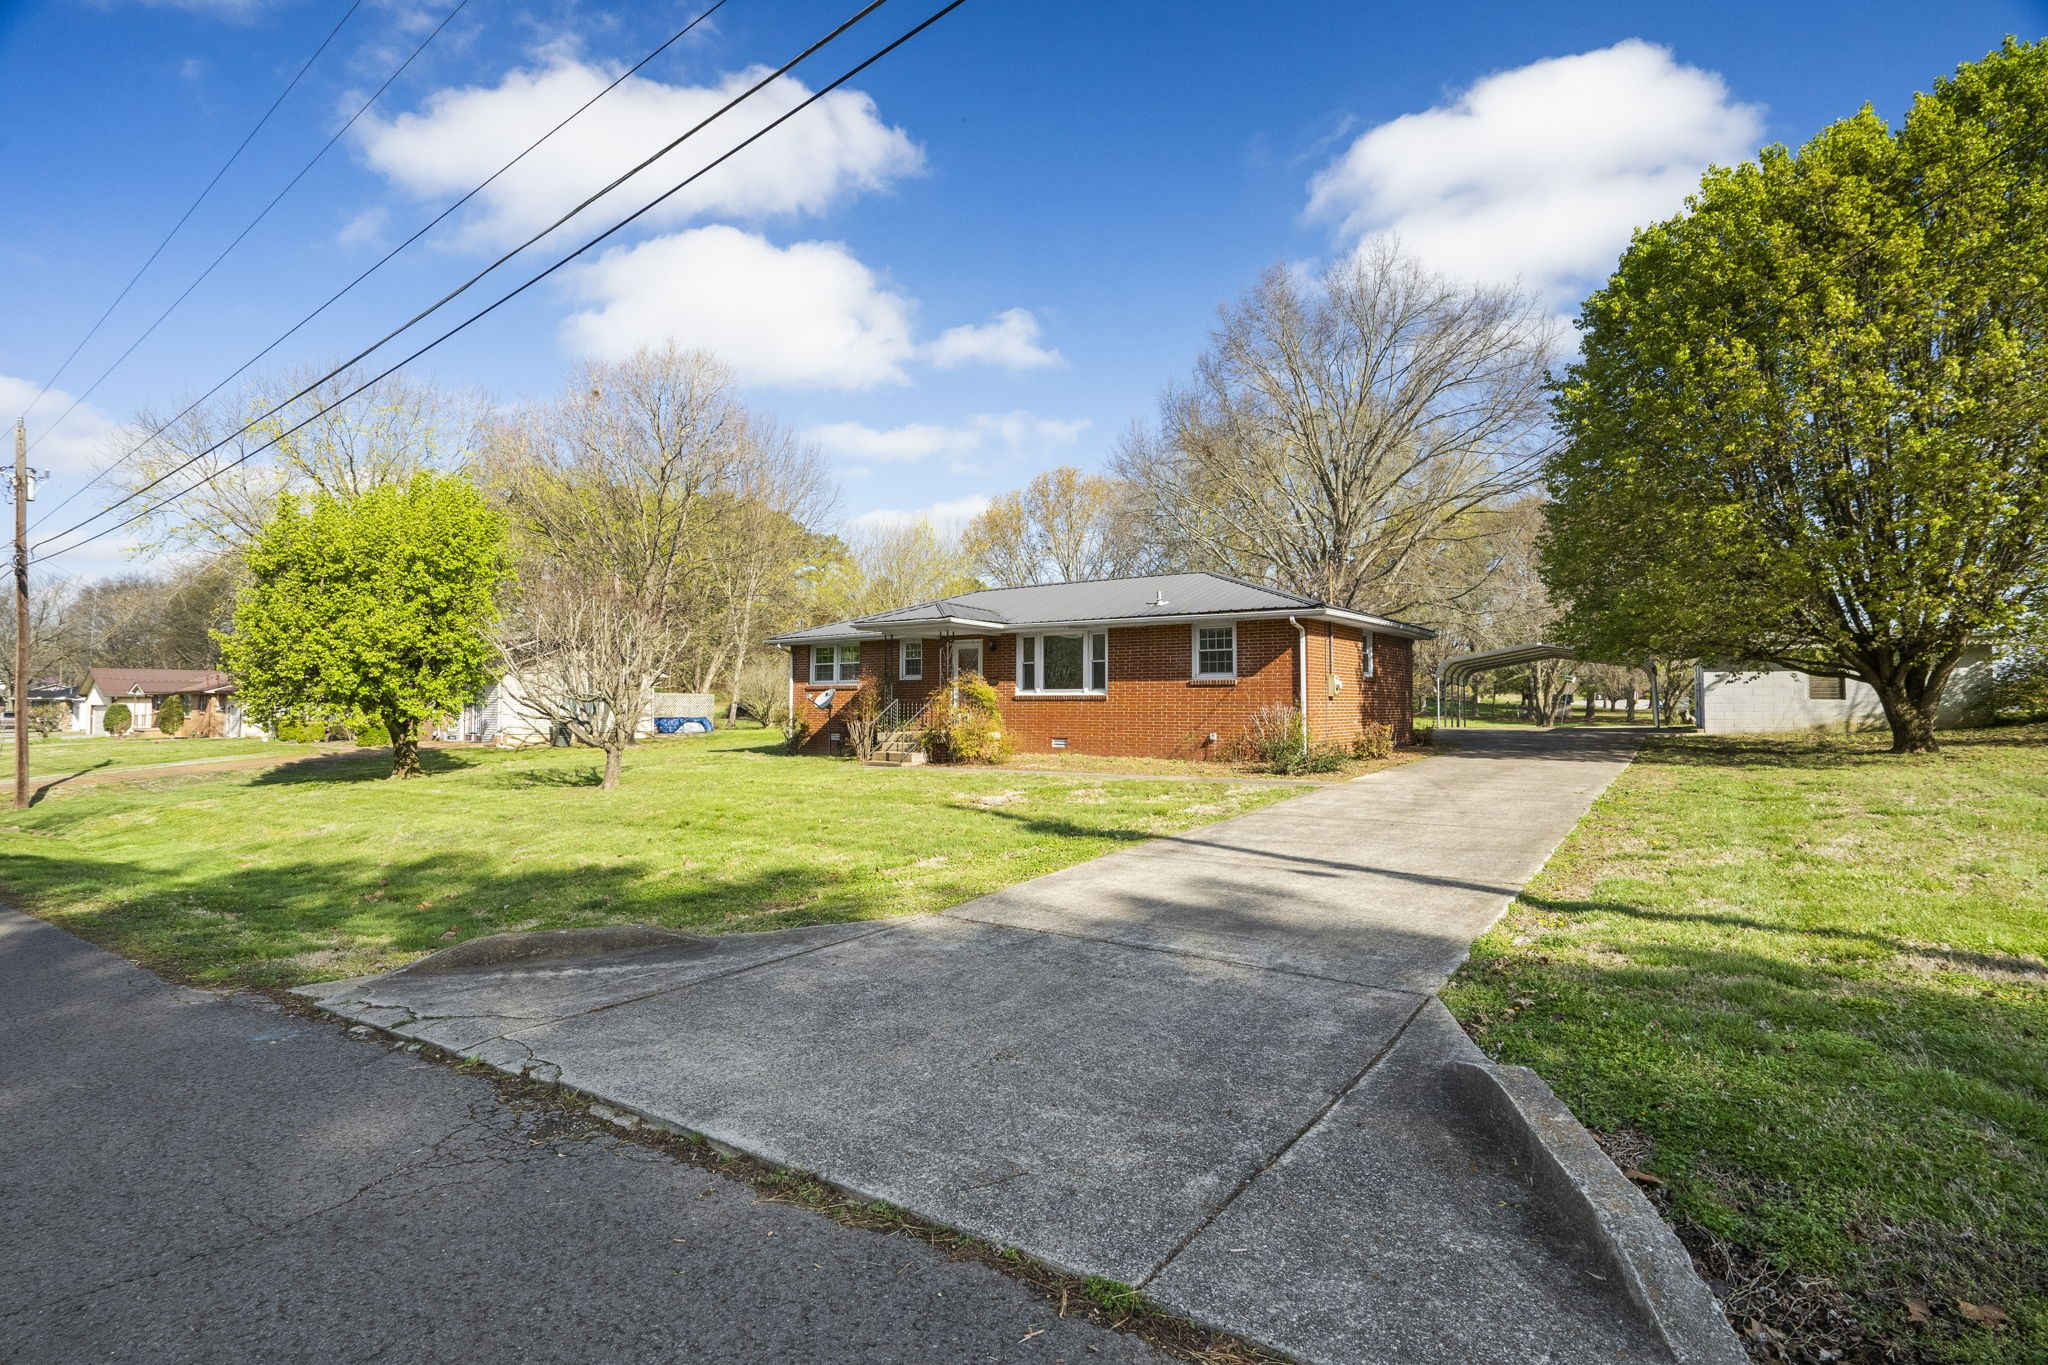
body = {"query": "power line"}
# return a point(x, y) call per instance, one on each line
point(192, 208)
point(379, 264)
point(275, 199)
point(504, 299)
point(467, 284)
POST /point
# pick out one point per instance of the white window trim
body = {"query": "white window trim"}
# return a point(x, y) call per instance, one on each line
point(1195, 651)
point(1371, 661)
point(839, 674)
point(1030, 646)
point(903, 672)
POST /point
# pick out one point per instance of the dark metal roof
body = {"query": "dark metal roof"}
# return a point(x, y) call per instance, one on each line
point(1174, 596)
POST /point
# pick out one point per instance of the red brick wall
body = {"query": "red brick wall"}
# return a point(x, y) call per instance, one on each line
point(1152, 707)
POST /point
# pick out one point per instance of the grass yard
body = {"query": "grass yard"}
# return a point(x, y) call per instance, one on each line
point(50, 757)
point(1804, 985)
point(1209, 769)
point(308, 872)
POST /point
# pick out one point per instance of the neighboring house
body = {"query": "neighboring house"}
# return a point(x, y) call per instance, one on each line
point(52, 692)
point(505, 716)
point(208, 698)
point(1729, 699)
point(1173, 665)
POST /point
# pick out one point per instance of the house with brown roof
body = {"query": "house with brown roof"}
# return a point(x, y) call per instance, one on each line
point(208, 697)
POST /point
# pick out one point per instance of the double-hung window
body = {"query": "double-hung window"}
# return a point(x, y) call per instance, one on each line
point(1368, 664)
point(835, 663)
point(911, 663)
point(1215, 652)
point(1076, 665)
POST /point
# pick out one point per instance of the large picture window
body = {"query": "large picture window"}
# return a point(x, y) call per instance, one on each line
point(835, 663)
point(1216, 651)
point(1076, 665)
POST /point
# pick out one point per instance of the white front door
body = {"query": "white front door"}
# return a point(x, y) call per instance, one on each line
point(967, 657)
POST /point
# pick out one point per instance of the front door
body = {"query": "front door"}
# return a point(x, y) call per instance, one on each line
point(967, 657)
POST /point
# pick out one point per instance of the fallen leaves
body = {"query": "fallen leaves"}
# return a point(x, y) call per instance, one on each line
point(1643, 1177)
point(1983, 1314)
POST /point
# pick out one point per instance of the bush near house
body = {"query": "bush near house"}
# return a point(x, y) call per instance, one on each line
point(119, 719)
point(170, 717)
point(964, 724)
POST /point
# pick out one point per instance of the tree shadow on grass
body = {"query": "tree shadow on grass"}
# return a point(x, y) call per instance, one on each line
point(1819, 751)
point(353, 914)
point(366, 765)
point(1960, 959)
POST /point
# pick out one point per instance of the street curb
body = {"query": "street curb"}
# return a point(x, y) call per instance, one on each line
point(1591, 1195)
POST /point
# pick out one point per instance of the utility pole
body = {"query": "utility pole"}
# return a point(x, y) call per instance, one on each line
point(20, 613)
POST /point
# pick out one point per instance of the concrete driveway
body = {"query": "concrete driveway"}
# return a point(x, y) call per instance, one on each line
point(1210, 1066)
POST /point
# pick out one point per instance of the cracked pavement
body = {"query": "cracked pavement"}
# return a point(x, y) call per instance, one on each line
point(192, 1178)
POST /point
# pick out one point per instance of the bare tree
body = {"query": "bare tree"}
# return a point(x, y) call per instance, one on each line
point(397, 428)
point(1065, 526)
point(1337, 432)
point(609, 491)
point(894, 566)
point(760, 540)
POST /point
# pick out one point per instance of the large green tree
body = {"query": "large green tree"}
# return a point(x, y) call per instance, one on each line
point(378, 605)
point(1807, 425)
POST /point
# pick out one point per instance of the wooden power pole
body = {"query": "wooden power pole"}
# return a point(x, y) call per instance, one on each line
point(20, 613)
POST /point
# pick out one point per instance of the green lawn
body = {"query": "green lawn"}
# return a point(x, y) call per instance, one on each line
point(49, 757)
point(1805, 984)
point(306, 872)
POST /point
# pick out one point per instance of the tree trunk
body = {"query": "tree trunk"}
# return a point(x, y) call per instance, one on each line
point(405, 746)
point(1910, 716)
point(612, 755)
point(1911, 697)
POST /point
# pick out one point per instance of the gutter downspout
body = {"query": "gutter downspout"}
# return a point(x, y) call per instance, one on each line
point(790, 678)
point(1301, 679)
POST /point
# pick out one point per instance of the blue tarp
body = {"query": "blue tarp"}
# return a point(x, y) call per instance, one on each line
point(682, 725)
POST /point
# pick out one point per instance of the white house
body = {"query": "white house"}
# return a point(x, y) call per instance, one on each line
point(506, 717)
point(1732, 700)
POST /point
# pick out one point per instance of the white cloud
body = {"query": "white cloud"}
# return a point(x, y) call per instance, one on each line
point(1008, 340)
point(74, 447)
point(365, 229)
point(809, 314)
point(947, 518)
point(837, 147)
point(1540, 173)
point(1012, 433)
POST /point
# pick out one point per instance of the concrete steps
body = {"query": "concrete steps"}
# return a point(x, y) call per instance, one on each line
point(898, 749)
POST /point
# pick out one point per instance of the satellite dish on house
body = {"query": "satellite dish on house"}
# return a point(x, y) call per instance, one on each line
point(823, 701)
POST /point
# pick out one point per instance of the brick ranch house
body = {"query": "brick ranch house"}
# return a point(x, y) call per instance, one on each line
point(1168, 666)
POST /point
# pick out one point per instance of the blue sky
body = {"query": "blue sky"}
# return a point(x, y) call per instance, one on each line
point(984, 261)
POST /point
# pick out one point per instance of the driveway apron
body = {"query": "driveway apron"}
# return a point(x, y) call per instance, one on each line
point(1209, 1065)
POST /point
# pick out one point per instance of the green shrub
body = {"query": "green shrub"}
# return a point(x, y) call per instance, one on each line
point(302, 731)
point(120, 720)
point(795, 733)
point(170, 717)
point(372, 734)
point(969, 729)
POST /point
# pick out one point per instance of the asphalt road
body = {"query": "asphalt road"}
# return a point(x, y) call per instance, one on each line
point(188, 1178)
